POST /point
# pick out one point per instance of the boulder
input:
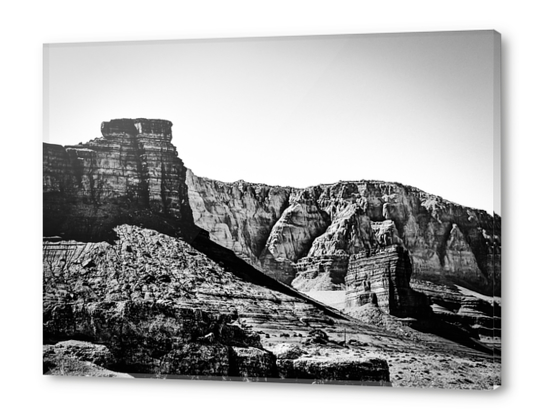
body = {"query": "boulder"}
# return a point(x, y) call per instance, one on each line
point(343, 370)
point(252, 363)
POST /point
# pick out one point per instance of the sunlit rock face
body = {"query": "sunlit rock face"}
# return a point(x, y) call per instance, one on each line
point(239, 216)
point(304, 237)
point(309, 244)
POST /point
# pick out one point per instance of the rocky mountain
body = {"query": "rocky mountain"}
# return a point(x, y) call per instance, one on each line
point(367, 241)
point(131, 175)
point(180, 275)
point(310, 233)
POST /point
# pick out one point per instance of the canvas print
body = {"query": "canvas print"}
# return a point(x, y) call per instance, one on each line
point(310, 209)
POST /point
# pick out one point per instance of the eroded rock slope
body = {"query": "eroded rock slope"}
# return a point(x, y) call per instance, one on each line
point(160, 307)
point(368, 241)
point(153, 305)
point(207, 291)
point(448, 243)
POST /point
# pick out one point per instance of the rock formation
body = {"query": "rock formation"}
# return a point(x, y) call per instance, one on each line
point(239, 216)
point(131, 175)
point(330, 237)
point(183, 276)
point(383, 278)
point(448, 243)
point(161, 308)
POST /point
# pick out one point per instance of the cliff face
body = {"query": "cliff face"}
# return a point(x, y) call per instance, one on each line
point(302, 237)
point(239, 216)
point(311, 242)
point(128, 264)
point(130, 175)
point(382, 278)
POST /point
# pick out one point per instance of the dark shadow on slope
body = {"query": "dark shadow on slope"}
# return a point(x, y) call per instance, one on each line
point(248, 273)
point(457, 334)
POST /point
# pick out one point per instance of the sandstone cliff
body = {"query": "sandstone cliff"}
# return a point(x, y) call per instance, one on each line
point(383, 278)
point(239, 216)
point(131, 175)
point(377, 243)
point(353, 243)
point(448, 243)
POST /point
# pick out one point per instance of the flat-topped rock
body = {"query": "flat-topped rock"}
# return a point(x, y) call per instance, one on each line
point(132, 175)
point(139, 127)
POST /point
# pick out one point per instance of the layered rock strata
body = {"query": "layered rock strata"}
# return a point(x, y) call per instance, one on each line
point(162, 308)
point(305, 237)
point(150, 305)
point(454, 304)
point(322, 226)
point(130, 175)
point(239, 216)
point(383, 279)
point(340, 228)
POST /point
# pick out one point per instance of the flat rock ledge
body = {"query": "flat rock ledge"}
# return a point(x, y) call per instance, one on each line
point(340, 371)
point(249, 364)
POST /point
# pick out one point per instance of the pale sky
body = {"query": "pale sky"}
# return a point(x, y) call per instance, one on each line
point(298, 111)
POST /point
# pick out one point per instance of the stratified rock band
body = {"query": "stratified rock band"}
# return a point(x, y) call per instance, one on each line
point(151, 271)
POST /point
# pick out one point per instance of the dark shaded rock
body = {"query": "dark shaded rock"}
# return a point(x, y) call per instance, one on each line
point(149, 337)
point(251, 363)
point(195, 359)
point(164, 278)
point(340, 370)
point(88, 263)
point(478, 314)
point(140, 127)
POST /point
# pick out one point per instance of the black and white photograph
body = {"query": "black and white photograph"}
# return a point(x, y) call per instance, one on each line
point(287, 209)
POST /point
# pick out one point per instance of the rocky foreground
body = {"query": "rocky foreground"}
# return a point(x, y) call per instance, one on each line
point(152, 271)
point(150, 305)
point(410, 252)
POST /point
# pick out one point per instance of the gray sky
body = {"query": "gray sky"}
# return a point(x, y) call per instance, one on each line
point(299, 111)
